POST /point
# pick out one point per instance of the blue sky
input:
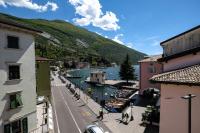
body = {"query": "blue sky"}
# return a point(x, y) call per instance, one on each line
point(139, 24)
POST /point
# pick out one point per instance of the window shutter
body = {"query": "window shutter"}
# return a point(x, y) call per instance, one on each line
point(18, 99)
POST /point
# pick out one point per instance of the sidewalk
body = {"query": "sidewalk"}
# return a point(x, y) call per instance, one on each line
point(113, 120)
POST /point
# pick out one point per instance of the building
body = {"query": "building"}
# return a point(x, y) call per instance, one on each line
point(17, 82)
point(98, 77)
point(43, 85)
point(81, 65)
point(181, 66)
point(148, 68)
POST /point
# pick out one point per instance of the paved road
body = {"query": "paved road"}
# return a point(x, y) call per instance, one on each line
point(70, 115)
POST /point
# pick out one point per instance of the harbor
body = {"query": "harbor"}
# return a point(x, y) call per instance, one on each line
point(114, 92)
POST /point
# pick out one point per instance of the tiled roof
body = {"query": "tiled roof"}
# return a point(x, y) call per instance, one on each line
point(151, 58)
point(19, 25)
point(189, 75)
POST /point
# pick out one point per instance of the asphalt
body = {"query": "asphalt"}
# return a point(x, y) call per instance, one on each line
point(71, 115)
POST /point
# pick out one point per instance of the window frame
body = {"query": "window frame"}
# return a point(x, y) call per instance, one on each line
point(23, 128)
point(19, 102)
point(9, 35)
point(8, 71)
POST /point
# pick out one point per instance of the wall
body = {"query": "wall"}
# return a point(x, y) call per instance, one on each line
point(174, 109)
point(27, 85)
point(43, 79)
point(182, 43)
point(145, 75)
point(181, 62)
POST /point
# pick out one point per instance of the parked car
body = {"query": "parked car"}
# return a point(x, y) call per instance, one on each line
point(40, 99)
point(93, 129)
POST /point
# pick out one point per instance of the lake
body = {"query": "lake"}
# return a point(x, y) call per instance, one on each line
point(98, 92)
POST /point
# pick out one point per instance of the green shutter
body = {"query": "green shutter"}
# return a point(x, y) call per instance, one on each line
point(7, 128)
point(25, 125)
point(18, 99)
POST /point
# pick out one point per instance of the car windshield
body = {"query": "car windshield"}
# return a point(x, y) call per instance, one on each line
point(97, 129)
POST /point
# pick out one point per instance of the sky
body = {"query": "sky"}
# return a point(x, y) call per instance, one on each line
point(138, 24)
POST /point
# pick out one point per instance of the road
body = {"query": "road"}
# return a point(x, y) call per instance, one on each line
point(71, 115)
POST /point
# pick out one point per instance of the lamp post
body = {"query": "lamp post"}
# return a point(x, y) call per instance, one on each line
point(131, 104)
point(189, 98)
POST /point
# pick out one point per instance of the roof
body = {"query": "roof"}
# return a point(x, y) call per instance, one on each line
point(19, 25)
point(42, 59)
point(188, 76)
point(180, 34)
point(151, 58)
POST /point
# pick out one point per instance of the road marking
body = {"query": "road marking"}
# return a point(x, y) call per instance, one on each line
point(55, 114)
point(70, 112)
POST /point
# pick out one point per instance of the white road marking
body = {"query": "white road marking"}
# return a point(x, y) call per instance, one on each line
point(56, 115)
point(70, 112)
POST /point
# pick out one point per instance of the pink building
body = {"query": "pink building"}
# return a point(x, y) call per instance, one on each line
point(148, 68)
point(181, 66)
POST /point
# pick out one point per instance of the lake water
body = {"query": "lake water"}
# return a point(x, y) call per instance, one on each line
point(98, 92)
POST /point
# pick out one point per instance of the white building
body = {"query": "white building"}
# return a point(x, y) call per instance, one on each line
point(98, 77)
point(17, 78)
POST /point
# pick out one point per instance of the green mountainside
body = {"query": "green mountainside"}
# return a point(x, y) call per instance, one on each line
point(64, 41)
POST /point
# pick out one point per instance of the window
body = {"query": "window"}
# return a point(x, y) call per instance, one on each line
point(152, 69)
point(18, 126)
point(14, 72)
point(15, 101)
point(13, 42)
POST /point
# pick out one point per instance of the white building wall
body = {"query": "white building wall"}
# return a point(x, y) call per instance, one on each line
point(25, 56)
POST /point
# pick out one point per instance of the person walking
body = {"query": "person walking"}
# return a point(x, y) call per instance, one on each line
point(123, 115)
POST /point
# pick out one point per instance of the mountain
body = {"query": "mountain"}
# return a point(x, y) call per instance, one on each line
point(64, 41)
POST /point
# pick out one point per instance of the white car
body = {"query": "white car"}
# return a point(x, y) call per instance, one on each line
point(93, 129)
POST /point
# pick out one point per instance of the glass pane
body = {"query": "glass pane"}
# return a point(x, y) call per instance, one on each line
point(13, 42)
point(7, 128)
point(14, 72)
point(16, 126)
point(25, 125)
point(13, 101)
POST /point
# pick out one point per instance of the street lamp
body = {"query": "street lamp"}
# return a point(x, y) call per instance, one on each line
point(131, 104)
point(189, 98)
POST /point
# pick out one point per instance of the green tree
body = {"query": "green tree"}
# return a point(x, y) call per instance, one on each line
point(127, 70)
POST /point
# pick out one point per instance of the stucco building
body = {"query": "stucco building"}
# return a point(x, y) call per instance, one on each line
point(149, 67)
point(98, 77)
point(181, 66)
point(17, 82)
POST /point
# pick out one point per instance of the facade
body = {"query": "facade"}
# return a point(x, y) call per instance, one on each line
point(181, 66)
point(98, 77)
point(148, 68)
point(43, 77)
point(17, 82)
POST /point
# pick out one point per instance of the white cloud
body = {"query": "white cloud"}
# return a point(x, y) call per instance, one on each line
point(30, 5)
point(90, 13)
point(117, 38)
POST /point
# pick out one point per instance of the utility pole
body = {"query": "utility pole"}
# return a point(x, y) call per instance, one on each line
point(189, 98)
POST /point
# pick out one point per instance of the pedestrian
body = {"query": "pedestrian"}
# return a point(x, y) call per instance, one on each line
point(127, 116)
point(123, 115)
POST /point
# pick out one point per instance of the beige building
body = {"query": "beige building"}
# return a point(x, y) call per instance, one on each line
point(98, 77)
point(17, 82)
point(181, 66)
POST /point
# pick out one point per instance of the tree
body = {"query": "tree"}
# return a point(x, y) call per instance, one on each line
point(127, 70)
